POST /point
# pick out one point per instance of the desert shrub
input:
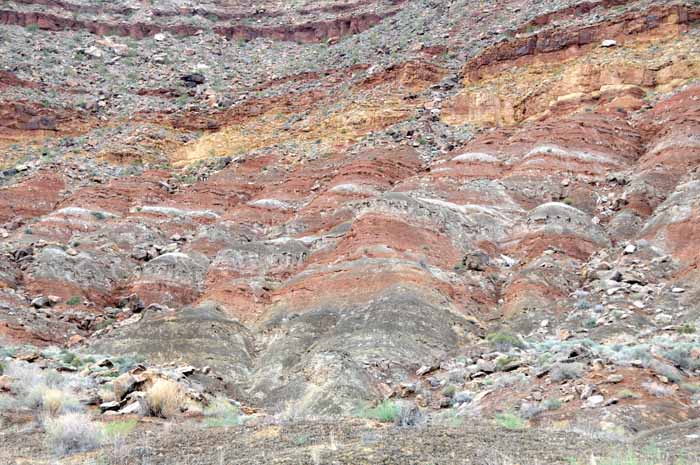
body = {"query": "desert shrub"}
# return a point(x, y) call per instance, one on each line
point(164, 398)
point(680, 356)
point(117, 429)
point(509, 420)
point(552, 404)
point(686, 328)
point(530, 410)
point(24, 375)
point(636, 352)
point(503, 361)
point(8, 352)
point(55, 402)
point(508, 379)
point(457, 375)
point(463, 397)
point(449, 391)
point(657, 389)
point(504, 340)
point(127, 362)
point(70, 358)
point(447, 417)
point(670, 372)
point(409, 415)
point(220, 412)
point(692, 388)
point(628, 394)
point(74, 300)
point(564, 371)
point(46, 391)
point(386, 412)
point(72, 433)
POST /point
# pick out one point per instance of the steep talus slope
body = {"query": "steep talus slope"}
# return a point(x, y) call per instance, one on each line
point(329, 204)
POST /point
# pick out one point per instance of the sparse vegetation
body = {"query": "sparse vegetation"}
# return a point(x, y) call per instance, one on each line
point(509, 420)
point(220, 412)
point(386, 412)
point(552, 404)
point(503, 362)
point(74, 300)
point(657, 389)
point(686, 328)
point(646, 456)
point(504, 340)
point(46, 393)
point(56, 401)
point(449, 391)
point(628, 394)
point(116, 429)
point(564, 371)
point(165, 398)
point(692, 388)
point(72, 433)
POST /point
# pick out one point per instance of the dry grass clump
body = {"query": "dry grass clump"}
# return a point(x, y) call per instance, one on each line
point(563, 371)
point(56, 401)
point(221, 412)
point(657, 389)
point(165, 398)
point(72, 433)
point(44, 391)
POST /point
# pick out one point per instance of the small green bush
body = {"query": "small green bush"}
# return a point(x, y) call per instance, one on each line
point(74, 300)
point(628, 394)
point(503, 362)
point(692, 388)
point(449, 391)
point(116, 429)
point(564, 371)
point(69, 358)
point(386, 412)
point(127, 362)
point(220, 412)
point(504, 340)
point(510, 421)
point(686, 328)
point(552, 404)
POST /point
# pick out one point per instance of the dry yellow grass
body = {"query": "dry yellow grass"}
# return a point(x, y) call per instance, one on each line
point(165, 398)
point(52, 401)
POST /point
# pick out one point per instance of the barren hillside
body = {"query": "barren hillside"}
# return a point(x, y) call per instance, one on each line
point(390, 231)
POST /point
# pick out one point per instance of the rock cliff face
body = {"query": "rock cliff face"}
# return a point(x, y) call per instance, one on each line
point(327, 203)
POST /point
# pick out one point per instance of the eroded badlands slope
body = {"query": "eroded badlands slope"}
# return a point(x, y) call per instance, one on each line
point(317, 202)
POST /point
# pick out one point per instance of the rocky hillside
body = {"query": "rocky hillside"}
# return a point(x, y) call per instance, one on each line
point(457, 211)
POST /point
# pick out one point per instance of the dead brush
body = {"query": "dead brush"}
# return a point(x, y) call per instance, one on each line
point(165, 398)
